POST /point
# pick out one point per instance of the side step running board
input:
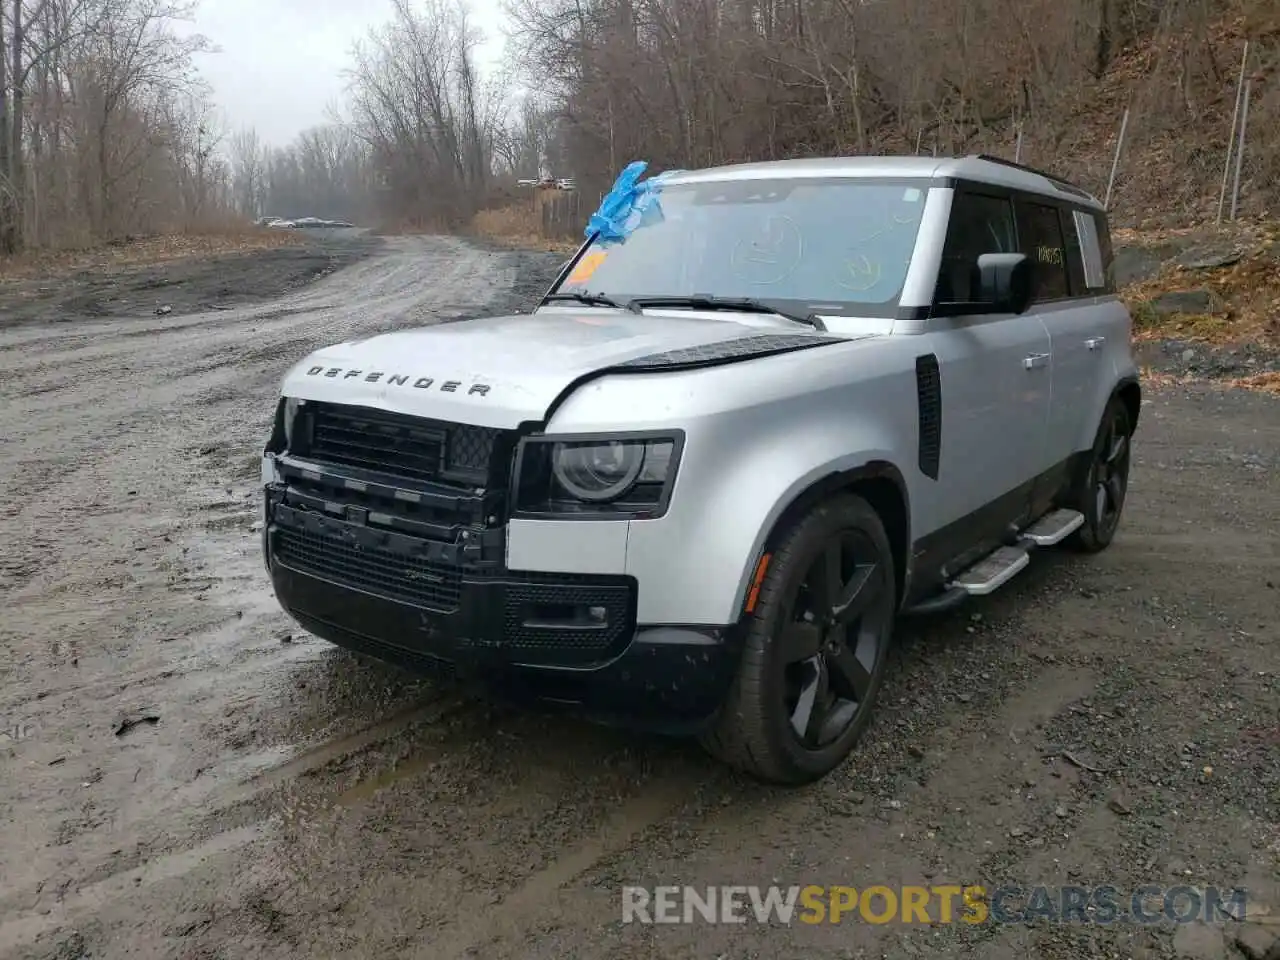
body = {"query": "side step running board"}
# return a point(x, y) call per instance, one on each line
point(1001, 565)
point(992, 572)
point(1053, 527)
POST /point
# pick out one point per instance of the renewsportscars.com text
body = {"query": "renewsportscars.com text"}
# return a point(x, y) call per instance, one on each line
point(972, 905)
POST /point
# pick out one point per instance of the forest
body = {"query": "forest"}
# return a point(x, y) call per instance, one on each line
point(107, 130)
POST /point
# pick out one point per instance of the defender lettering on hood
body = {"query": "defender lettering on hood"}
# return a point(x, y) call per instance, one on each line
point(399, 380)
point(507, 371)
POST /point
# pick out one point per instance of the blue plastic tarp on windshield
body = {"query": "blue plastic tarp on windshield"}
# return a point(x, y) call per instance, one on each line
point(629, 204)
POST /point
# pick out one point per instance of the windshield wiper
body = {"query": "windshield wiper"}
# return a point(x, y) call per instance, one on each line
point(741, 304)
point(591, 299)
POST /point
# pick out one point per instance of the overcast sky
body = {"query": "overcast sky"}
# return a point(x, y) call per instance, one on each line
point(281, 61)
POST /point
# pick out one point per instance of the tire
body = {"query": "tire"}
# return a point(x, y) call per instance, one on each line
point(805, 690)
point(1101, 490)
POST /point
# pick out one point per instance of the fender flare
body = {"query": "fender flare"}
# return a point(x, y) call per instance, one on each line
point(872, 476)
point(1129, 390)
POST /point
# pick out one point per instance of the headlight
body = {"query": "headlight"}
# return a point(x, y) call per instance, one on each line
point(619, 476)
point(597, 471)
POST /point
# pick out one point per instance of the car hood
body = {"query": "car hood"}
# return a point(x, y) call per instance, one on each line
point(503, 371)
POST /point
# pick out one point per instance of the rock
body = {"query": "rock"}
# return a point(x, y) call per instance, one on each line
point(1258, 942)
point(1117, 806)
point(1188, 356)
point(1183, 301)
point(1207, 259)
point(1134, 264)
point(1017, 832)
point(1199, 941)
point(917, 752)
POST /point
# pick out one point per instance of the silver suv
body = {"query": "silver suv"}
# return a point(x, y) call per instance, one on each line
point(741, 434)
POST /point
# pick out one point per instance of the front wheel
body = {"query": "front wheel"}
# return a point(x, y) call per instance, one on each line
point(1100, 492)
point(815, 647)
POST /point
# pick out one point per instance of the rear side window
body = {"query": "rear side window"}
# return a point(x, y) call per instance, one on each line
point(1040, 234)
point(979, 224)
point(1104, 244)
point(1086, 230)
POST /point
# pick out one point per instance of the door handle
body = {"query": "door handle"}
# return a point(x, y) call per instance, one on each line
point(1093, 343)
point(1035, 360)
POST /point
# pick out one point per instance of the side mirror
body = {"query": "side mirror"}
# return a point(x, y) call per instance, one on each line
point(1004, 281)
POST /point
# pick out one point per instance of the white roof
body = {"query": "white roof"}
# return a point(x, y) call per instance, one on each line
point(924, 168)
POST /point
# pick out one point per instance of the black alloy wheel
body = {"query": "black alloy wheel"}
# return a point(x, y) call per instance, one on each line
point(1101, 493)
point(815, 648)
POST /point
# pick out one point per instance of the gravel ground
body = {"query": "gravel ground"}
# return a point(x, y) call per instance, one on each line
point(183, 286)
point(1105, 720)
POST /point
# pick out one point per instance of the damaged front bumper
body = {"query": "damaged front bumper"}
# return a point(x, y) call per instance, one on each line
point(562, 638)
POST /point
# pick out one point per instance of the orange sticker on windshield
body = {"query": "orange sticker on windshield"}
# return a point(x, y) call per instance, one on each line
point(586, 267)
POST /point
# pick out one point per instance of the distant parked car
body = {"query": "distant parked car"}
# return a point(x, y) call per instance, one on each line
point(281, 224)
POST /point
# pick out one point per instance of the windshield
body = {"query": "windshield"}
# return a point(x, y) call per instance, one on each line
point(830, 246)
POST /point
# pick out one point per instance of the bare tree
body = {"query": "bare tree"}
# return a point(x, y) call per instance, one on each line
point(692, 82)
point(430, 122)
point(102, 94)
point(248, 171)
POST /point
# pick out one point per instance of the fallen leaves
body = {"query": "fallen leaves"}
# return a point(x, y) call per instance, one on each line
point(1245, 295)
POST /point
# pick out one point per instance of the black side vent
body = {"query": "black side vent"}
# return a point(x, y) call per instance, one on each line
point(929, 401)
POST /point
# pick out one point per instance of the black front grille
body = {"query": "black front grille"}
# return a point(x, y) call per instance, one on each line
point(395, 444)
point(395, 576)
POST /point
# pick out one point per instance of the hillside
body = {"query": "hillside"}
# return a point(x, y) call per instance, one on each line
point(1171, 167)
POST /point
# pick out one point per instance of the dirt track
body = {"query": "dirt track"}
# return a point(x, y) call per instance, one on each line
point(293, 800)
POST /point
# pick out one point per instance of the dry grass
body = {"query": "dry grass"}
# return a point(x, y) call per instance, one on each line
point(147, 251)
point(518, 225)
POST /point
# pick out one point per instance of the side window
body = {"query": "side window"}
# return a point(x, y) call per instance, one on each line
point(1086, 231)
point(979, 224)
point(1104, 245)
point(1074, 254)
point(1040, 232)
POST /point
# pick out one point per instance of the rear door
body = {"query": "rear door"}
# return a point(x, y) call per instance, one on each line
point(1064, 245)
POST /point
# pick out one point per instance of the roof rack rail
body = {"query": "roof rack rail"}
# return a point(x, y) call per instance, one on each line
point(1065, 185)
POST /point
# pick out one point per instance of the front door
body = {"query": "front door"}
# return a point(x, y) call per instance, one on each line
point(996, 373)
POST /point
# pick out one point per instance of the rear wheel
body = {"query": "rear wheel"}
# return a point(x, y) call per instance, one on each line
point(815, 647)
point(1101, 490)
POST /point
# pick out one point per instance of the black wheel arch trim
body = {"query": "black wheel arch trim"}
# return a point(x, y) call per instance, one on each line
point(1130, 386)
point(897, 527)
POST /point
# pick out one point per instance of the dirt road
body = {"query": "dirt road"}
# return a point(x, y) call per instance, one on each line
point(185, 774)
